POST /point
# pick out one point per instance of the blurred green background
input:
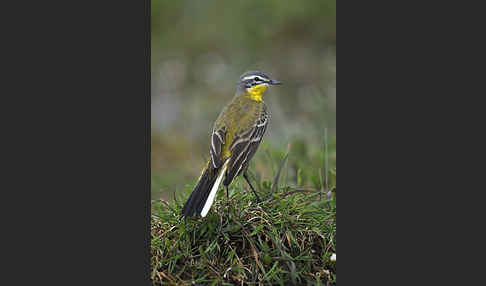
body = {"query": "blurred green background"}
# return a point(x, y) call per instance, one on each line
point(199, 50)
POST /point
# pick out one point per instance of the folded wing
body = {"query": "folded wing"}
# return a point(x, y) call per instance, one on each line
point(244, 147)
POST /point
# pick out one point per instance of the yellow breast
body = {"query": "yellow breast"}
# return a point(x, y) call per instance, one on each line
point(257, 91)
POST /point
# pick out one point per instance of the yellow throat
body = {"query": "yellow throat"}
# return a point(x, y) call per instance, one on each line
point(257, 91)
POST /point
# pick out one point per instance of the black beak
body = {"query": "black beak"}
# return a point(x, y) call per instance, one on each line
point(275, 82)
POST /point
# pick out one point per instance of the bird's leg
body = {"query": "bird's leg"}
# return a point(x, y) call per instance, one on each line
point(245, 175)
point(227, 200)
point(227, 196)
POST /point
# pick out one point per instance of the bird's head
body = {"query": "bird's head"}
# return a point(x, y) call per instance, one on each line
point(255, 83)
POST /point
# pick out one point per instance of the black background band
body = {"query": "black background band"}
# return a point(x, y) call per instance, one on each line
point(76, 110)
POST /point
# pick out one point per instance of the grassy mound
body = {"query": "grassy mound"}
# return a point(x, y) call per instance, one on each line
point(288, 238)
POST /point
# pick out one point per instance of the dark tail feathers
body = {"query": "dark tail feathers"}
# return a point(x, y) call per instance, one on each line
point(199, 195)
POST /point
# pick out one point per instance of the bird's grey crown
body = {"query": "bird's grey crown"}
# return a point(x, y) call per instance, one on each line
point(253, 73)
point(251, 78)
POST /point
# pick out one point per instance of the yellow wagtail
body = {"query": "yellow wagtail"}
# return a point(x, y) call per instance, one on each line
point(236, 135)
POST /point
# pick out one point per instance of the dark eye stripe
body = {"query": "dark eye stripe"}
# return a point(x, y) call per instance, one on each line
point(254, 81)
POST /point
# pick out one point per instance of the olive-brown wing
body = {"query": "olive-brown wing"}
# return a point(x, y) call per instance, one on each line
point(244, 147)
point(217, 141)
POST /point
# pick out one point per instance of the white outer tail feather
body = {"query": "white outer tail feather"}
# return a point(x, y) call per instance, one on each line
point(212, 194)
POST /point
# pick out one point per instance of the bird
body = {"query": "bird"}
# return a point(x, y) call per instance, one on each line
point(235, 137)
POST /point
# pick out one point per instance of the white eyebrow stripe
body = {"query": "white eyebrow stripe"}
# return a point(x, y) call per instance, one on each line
point(252, 77)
